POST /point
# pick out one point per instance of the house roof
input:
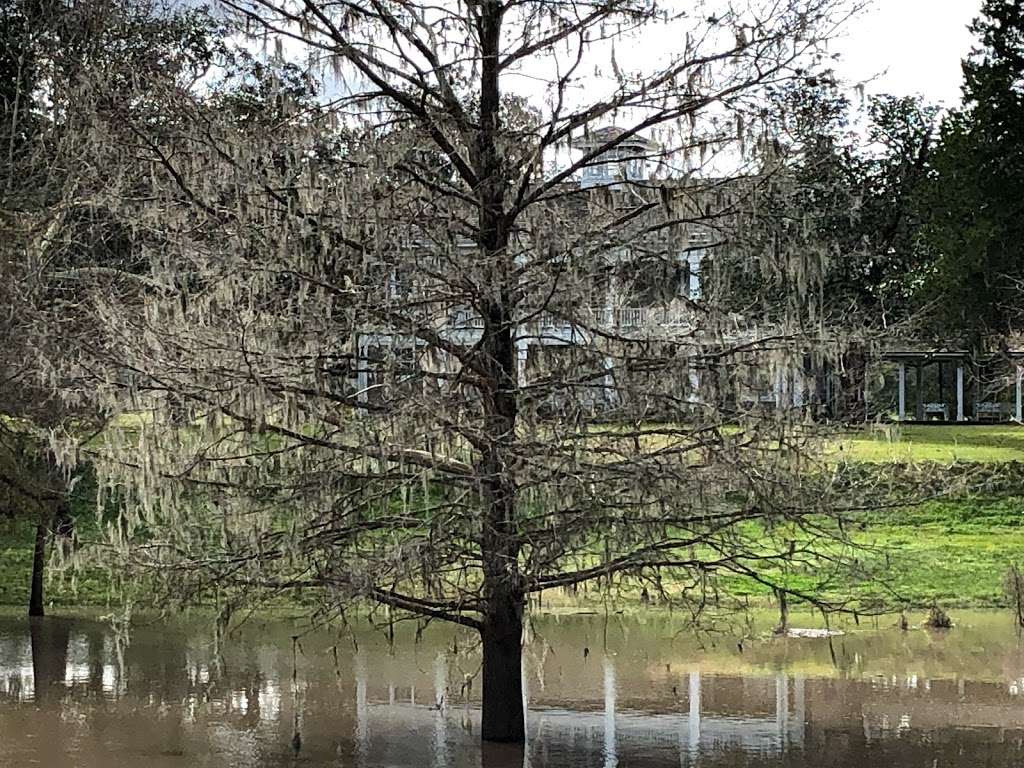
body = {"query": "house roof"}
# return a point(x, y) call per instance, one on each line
point(602, 136)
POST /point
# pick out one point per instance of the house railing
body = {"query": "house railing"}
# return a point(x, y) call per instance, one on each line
point(623, 318)
point(618, 317)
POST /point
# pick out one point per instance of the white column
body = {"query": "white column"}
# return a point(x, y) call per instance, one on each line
point(693, 396)
point(959, 393)
point(780, 387)
point(608, 382)
point(902, 413)
point(362, 374)
point(798, 388)
point(694, 259)
point(1020, 403)
point(522, 352)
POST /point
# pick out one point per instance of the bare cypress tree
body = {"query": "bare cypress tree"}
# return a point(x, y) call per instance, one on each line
point(440, 342)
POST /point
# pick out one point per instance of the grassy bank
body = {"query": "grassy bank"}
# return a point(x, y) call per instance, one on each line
point(950, 553)
point(944, 444)
point(17, 539)
point(954, 552)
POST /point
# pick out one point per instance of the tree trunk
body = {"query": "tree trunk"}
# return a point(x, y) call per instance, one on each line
point(502, 636)
point(502, 629)
point(35, 605)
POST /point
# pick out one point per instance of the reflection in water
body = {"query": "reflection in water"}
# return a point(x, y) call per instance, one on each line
point(781, 707)
point(694, 718)
point(49, 644)
point(440, 752)
point(896, 699)
point(610, 757)
point(362, 710)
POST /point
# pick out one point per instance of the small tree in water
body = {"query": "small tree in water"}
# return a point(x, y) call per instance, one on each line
point(438, 344)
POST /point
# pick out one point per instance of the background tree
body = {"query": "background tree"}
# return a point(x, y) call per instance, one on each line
point(844, 181)
point(971, 205)
point(32, 486)
point(900, 143)
point(839, 185)
point(54, 228)
point(375, 346)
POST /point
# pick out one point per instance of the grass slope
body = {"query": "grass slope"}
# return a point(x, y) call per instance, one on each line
point(951, 553)
point(954, 552)
point(17, 539)
point(944, 444)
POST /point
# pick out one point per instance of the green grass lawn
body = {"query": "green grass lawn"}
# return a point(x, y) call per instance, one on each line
point(15, 563)
point(945, 444)
point(953, 552)
point(950, 553)
point(16, 543)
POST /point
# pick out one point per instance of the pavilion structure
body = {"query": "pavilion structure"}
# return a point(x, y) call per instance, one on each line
point(949, 396)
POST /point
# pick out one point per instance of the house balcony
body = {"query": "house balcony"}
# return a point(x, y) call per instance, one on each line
point(611, 319)
point(466, 327)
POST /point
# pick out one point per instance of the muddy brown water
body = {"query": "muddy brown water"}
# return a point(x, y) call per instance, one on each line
point(618, 691)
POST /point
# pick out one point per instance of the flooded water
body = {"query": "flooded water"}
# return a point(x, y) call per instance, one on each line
point(601, 692)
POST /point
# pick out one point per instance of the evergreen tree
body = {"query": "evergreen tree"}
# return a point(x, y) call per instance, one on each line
point(974, 200)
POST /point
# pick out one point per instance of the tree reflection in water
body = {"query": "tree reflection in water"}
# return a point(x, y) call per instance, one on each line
point(49, 642)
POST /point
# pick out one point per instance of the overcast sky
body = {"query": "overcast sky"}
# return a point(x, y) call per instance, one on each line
point(915, 45)
point(907, 46)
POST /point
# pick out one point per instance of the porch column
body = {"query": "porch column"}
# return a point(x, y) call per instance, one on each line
point(781, 389)
point(362, 374)
point(608, 382)
point(693, 396)
point(959, 393)
point(919, 393)
point(693, 288)
point(522, 353)
point(1020, 403)
point(902, 413)
point(942, 391)
point(798, 387)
